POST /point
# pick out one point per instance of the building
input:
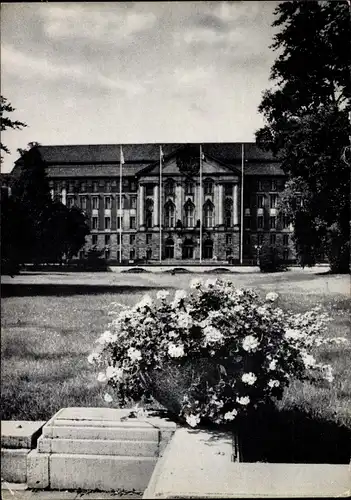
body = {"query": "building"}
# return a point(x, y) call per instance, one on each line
point(89, 176)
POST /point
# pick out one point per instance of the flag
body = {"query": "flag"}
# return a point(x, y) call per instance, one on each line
point(161, 154)
point(121, 156)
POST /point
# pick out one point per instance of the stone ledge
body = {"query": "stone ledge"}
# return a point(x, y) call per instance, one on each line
point(197, 464)
point(14, 465)
point(20, 433)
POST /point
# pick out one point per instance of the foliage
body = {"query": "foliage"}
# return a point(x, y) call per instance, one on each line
point(271, 259)
point(95, 260)
point(307, 122)
point(211, 355)
point(7, 123)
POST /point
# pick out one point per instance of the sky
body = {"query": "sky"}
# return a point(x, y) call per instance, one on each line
point(129, 72)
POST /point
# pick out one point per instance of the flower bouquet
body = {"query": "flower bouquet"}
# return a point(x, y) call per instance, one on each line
point(209, 355)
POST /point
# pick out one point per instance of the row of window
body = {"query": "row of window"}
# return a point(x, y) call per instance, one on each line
point(261, 184)
point(273, 201)
point(261, 237)
point(129, 185)
point(107, 223)
point(272, 222)
point(95, 202)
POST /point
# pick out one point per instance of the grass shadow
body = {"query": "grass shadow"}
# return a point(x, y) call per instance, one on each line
point(38, 289)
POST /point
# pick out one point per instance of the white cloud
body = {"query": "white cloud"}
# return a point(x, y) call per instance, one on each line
point(88, 21)
point(15, 62)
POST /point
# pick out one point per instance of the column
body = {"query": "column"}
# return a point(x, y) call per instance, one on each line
point(220, 204)
point(156, 205)
point(63, 196)
point(141, 204)
point(216, 204)
point(235, 205)
point(178, 202)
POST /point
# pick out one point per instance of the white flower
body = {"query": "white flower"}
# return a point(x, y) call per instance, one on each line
point(175, 351)
point(250, 343)
point(230, 415)
point(272, 365)
point(134, 354)
point(308, 360)
point(210, 283)
point(184, 320)
point(293, 334)
point(93, 357)
point(272, 296)
point(238, 308)
point(192, 420)
point(102, 377)
point(239, 292)
point(114, 372)
point(145, 301)
point(108, 398)
point(273, 383)
point(179, 295)
point(195, 283)
point(212, 334)
point(162, 294)
point(249, 378)
point(328, 373)
point(107, 337)
point(243, 401)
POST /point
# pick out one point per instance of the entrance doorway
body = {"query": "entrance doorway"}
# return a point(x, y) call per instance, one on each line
point(188, 249)
point(208, 249)
point(169, 249)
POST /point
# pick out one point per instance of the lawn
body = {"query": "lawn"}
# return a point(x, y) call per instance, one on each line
point(47, 337)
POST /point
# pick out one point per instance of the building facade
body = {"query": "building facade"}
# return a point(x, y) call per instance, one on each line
point(162, 217)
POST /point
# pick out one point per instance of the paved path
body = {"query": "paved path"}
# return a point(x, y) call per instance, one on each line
point(26, 494)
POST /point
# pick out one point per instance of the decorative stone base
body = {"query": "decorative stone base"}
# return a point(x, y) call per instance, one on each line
point(97, 449)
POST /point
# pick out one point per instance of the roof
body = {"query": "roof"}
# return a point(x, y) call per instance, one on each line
point(135, 153)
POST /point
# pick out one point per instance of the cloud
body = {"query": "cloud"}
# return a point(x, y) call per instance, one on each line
point(16, 63)
point(95, 22)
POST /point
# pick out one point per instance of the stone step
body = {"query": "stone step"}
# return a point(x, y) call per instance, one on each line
point(98, 447)
point(116, 433)
point(14, 465)
point(89, 472)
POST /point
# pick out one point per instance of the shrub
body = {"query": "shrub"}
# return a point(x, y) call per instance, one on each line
point(271, 259)
point(208, 356)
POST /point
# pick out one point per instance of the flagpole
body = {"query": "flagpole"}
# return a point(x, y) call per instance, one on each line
point(242, 206)
point(120, 204)
point(160, 210)
point(200, 197)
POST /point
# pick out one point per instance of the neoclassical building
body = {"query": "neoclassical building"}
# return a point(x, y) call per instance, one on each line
point(195, 204)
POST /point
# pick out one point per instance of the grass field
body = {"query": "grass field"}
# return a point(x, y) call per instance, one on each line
point(47, 337)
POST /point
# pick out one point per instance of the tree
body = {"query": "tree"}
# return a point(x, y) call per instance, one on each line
point(6, 122)
point(306, 114)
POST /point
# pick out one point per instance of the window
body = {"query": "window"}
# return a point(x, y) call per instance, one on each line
point(148, 218)
point(208, 249)
point(228, 239)
point(247, 222)
point(285, 239)
point(208, 186)
point(133, 202)
point(107, 253)
point(94, 239)
point(70, 201)
point(169, 249)
point(189, 188)
point(208, 215)
point(286, 254)
point(189, 214)
point(70, 187)
point(117, 202)
point(119, 220)
point(132, 254)
point(95, 187)
point(260, 239)
point(148, 239)
point(132, 186)
point(228, 218)
point(94, 223)
point(107, 202)
point(285, 222)
point(247, 239)
point(272, 221)
point(169, 215)
point(132, 222)
point(83, 187)
point(95, 202)
point(259, 222)
point(131, 239)
point(273, 185)
point(149, 189)
point(274, 200)
point(169, 187)
point(83, 202)
point(260, 201)
point(272, 239)
point(108, 187)
point(107, 239)
point(259, 185)
point(228, 189)
point(107, 223)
